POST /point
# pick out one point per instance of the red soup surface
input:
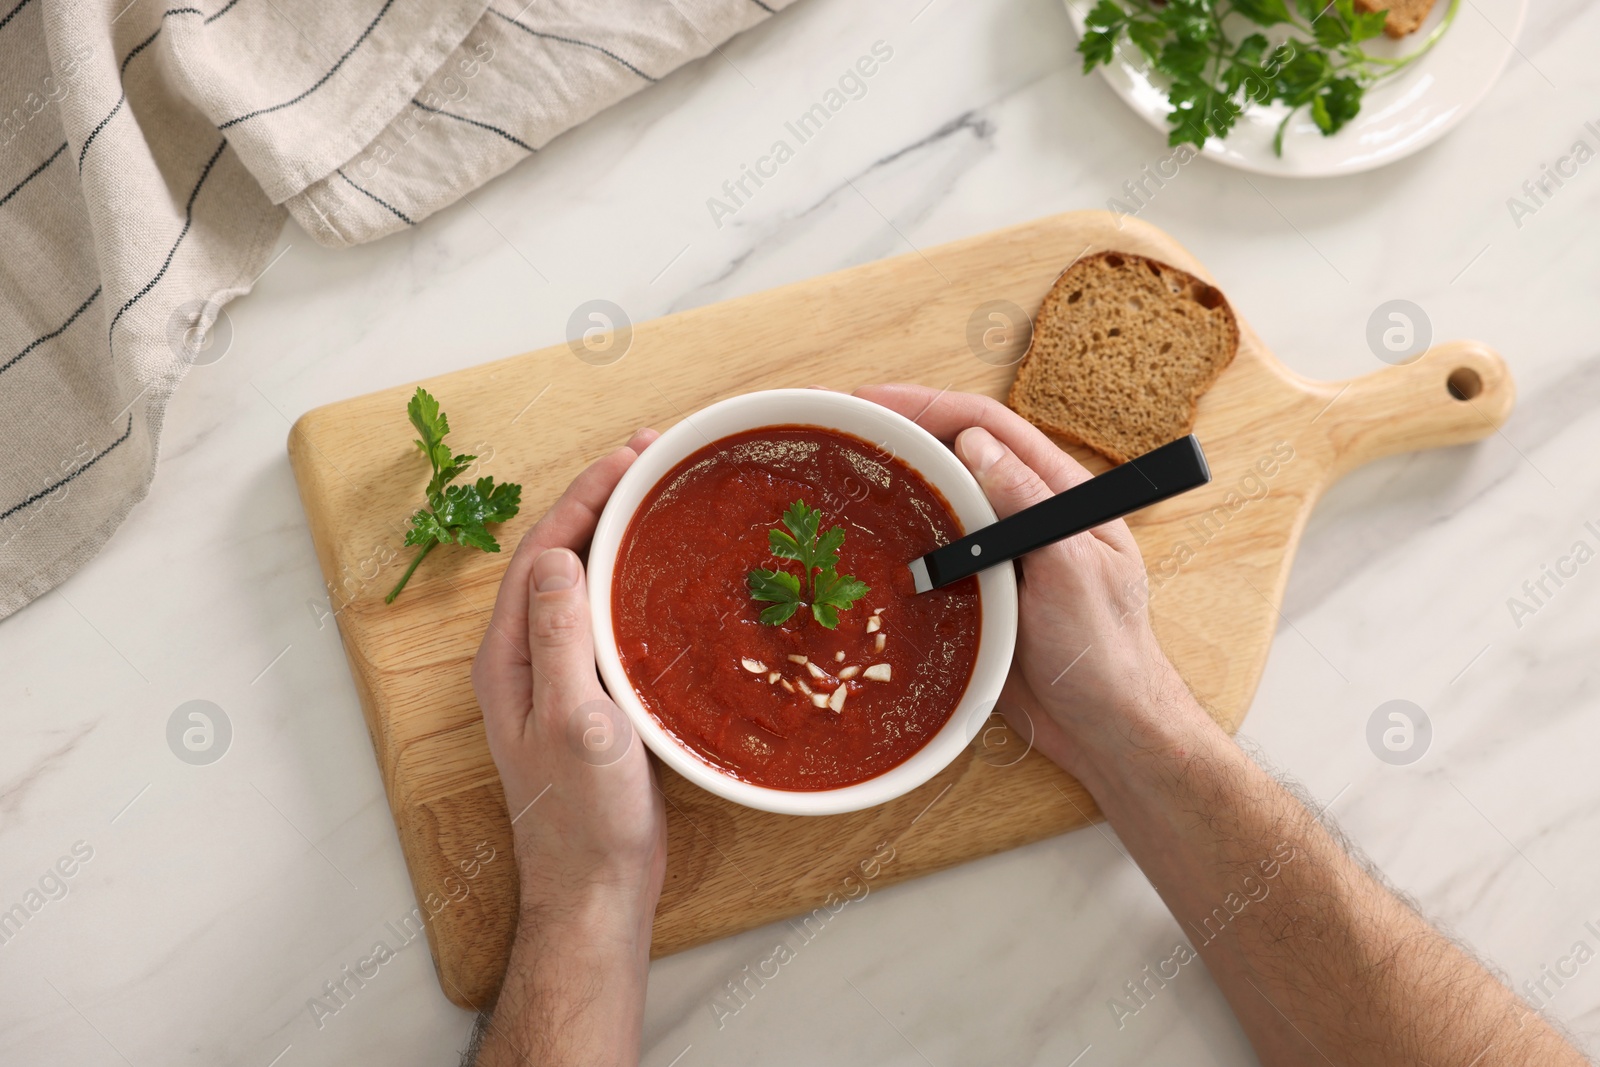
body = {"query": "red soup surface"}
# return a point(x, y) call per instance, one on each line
point(685, 621)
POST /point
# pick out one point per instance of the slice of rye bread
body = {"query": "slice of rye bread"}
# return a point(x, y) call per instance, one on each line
point(1404, 15)
point(1123, 346)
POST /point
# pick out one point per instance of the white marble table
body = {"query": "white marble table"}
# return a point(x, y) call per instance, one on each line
point(219, 899)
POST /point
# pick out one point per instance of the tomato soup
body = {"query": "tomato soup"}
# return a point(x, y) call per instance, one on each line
point(795, 705)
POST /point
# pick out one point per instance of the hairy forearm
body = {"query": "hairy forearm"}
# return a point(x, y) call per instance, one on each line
point(574, 987)
point(1320, 962)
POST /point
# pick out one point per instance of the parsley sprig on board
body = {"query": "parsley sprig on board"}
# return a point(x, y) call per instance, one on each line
point(827, 591)
point(458, 513)
point(1317, 61)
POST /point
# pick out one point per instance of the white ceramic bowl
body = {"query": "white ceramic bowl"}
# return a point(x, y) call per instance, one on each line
point(919, 449)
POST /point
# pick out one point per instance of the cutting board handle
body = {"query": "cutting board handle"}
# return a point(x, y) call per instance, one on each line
point(1455, 392)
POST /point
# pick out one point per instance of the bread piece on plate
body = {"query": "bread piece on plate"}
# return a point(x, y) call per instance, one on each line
point(1123, 346)
point(1404, 15)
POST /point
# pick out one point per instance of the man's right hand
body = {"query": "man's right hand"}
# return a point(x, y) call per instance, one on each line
point(1089, 674)
point(1321, 963)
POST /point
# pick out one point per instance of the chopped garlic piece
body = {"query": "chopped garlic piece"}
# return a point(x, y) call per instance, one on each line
point(804, 688)
point(878, 672)
point(838, 657)
point(849, 672)
point(819, 700)
point(796, 659)
point(836, 698)
point(816, 671)
point(772, 676)
point(874, 622)
point(785, 683)
point(754, 666)
point(879, 643)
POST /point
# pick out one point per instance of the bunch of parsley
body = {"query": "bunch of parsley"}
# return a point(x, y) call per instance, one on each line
point(458, 513)
point(1318, 61)
point(827, 591)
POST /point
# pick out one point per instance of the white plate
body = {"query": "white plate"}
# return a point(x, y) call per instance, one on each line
point(1398, 115)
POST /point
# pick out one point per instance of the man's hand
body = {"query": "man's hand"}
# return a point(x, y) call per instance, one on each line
point(1088, 672)
point(1321, 963)
point(589, 827)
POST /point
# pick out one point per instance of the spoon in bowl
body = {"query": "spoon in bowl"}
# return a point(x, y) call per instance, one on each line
point(1174, 468)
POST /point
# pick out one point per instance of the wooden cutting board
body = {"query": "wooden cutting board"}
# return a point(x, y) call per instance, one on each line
point(1218, 559)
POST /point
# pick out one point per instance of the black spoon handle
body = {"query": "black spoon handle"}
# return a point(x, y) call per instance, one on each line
point(1165, 472)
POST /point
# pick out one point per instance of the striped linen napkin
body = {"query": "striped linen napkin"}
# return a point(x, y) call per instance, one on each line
point(149, 151)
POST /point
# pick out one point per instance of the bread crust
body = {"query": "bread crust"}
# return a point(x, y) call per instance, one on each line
point(1123, 347)
point(1405, 16)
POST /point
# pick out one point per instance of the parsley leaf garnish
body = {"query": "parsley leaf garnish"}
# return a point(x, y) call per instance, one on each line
point(779, 587)
point(835, 592)
point(1211, 77)
point(818, 554)
point(458, 513)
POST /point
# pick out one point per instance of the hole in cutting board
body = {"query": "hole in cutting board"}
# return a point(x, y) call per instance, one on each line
point(1464, 383)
